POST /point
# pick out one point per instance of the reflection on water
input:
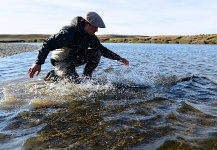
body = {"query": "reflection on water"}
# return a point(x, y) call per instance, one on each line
point(166, 99)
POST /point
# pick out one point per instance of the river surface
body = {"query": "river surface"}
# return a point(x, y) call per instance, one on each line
point(165, 100)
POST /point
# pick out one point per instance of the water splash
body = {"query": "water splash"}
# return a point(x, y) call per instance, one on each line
point(128, 77)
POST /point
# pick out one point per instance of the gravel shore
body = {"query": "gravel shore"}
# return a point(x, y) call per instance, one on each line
point(7, 49)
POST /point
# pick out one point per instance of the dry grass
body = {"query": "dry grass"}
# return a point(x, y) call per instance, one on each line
point(113, 38)
point(23, 37)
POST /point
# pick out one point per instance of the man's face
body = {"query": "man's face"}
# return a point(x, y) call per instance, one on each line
point(91, 30)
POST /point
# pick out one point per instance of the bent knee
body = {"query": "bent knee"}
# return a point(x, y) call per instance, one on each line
point(94, 54)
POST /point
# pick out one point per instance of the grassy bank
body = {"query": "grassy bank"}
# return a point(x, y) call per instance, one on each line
point(112, 38)
point(193, 39)
point(23, 37)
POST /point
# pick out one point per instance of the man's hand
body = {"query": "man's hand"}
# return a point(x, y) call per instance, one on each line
point(34, 69)
point(124, 61)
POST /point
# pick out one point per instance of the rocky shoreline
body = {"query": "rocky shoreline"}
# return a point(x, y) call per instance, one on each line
point(7, 49)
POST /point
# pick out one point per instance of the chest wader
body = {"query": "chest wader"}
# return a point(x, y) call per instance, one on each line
point(67, 70)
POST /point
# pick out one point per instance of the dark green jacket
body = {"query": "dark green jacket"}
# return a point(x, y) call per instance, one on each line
point(75, 38)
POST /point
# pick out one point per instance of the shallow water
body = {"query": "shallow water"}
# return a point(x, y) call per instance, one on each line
point(165, 99)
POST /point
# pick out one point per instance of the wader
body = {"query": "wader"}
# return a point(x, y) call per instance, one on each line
point(65, 66)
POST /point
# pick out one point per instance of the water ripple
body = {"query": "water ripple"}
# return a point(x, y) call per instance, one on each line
point(166, 99)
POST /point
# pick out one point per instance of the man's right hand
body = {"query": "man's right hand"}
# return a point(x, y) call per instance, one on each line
point(34, 69)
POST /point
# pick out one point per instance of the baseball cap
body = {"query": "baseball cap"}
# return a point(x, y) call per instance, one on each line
point(94, 19)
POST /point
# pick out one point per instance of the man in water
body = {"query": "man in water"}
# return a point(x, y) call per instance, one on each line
point(75, 45)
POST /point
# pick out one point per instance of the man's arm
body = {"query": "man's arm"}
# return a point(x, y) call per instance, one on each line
point(108, 53)
point(59, 40)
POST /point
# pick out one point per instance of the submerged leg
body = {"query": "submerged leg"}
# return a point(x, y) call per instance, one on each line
point(71, 74)
point(66, 71)
point(52, 76)
point(92, 61)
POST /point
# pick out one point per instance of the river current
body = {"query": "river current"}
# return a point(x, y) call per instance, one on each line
point(165, 100)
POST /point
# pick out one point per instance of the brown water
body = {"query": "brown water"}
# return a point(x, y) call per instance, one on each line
point(166, 99)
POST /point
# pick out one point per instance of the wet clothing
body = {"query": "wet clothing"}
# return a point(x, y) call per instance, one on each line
point(75, 44)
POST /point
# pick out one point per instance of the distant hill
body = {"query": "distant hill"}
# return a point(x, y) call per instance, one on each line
point(23, 37)
point(173, 39)
point(114, 38)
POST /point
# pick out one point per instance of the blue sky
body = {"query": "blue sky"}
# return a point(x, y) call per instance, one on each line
point(129, 17)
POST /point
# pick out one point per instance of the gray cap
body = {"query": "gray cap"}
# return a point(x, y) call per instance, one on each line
point(94, 19)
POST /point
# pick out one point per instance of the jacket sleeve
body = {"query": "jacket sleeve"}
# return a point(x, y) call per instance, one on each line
point(59, 40)
point(105, 51)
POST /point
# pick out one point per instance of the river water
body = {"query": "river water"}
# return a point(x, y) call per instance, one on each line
point(165, 99)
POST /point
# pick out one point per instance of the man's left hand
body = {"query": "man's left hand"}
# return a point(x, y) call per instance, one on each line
point(124, 61)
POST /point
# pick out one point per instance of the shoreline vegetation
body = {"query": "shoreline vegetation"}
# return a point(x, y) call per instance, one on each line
point(113, 38)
